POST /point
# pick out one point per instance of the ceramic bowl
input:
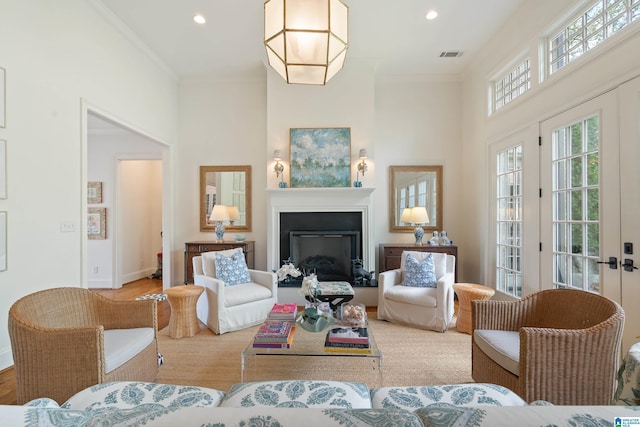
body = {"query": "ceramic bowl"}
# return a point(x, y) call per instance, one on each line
point(240, 237)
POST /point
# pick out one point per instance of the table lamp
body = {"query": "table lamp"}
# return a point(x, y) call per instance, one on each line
point(416, 216)
point(219, 214)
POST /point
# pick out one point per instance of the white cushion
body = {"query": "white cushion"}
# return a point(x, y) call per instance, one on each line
point(426, 297)
point(298, 393)
point(412, 398)
point(209, 260)
point(121, 345)
point(132, 394)
point(244, 293)
point(503, 347)
point(439, 261)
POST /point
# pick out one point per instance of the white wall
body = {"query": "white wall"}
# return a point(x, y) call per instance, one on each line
point(418, 123)
point(57, 54)
point(139, 217)
point(222, 123)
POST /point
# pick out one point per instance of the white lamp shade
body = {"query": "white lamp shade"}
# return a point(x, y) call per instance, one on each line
point(219, 213)
point(419, 215)
point(406, 215)
point(277, 155)
point(234, 215)
point(306, 40)
point(363, 153)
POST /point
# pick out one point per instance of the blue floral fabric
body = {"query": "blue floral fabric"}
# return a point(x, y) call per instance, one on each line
point(298, 394)
point(232, 270)
point(420, 274)
point(474, 394)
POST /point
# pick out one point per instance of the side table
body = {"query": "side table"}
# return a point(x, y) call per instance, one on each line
point(468, 292)
point(183, 321)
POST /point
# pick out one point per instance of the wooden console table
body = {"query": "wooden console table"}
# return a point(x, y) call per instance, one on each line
point(390, 254)
point(192, 249)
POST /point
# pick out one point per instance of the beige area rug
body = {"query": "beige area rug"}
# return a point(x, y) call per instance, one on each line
point(409, 357)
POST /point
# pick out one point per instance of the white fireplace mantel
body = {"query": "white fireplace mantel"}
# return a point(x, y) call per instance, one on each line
point(343, 199)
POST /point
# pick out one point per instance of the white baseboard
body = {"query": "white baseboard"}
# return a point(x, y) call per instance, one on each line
point(100, 284)
point(136, 275)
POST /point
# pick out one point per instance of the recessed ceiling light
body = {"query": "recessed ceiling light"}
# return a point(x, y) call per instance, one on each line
point(432, 14)
point(199, 19)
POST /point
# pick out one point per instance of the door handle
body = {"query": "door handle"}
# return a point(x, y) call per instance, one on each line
point(613, 262)
point(628, 265)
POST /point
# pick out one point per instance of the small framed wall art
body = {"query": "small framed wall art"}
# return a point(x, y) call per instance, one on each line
point(320, 157)
point(97, 223)
point(94, 192)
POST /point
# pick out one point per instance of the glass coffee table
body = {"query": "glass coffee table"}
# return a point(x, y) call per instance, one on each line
point(307, 360)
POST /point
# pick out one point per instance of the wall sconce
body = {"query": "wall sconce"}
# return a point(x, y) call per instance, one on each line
point(278, 168)
point(219, 214)
point(362, 166)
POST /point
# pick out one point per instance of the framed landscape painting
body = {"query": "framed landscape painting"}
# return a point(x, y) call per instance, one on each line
point(320, 157)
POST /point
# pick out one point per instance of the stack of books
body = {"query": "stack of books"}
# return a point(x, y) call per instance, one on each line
point(283, 311)
point(274, 334)
point(347, 339)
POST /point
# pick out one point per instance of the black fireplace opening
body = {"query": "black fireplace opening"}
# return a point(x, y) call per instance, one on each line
point(328, 244)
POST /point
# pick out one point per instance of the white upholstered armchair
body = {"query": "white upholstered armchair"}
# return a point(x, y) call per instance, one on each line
point(225, 308)
point(419, 306)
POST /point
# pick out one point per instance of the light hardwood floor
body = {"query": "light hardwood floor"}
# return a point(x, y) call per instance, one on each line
point(128, 292)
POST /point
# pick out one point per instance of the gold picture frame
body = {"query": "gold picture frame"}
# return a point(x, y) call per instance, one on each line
point(94, 192)
point(97, 223)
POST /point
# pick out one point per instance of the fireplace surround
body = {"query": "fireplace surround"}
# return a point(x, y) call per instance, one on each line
point(352, 205)
point(324, 243)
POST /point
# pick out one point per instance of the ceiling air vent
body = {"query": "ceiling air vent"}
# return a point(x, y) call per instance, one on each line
point(450, 54)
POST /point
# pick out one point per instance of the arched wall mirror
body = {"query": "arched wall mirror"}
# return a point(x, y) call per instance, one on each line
point(229, 186)
point(412, 186)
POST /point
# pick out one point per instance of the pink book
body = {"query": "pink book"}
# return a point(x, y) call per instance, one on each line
point(279, 308)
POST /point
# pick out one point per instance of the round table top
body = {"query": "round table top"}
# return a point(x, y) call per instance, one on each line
point(184, 290)
point(474, 289)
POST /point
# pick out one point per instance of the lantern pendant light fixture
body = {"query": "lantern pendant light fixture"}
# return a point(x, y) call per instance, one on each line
point(306, 40)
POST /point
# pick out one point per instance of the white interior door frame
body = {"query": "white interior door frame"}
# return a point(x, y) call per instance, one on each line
point(86, 108)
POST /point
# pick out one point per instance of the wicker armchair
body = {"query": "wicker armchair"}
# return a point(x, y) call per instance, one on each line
point(58, 342)
point(568, 340)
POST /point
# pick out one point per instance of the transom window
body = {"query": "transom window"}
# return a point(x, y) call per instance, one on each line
point(509, 221)
point(512, 84)
point(599, 21)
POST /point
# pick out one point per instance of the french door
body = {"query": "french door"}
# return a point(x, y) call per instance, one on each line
point(629, 94)
point(580, 199)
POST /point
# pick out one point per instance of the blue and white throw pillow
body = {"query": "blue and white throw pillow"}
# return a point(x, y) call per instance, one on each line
point(232, 270)
point(420, 274)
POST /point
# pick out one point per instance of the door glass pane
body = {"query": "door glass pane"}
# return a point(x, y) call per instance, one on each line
point(576, 204)
point(509, 220)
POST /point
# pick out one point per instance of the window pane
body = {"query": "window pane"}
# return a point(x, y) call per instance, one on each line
point(576, 172)
point(576, 205)
point(560, 206)
point(576, 238)
point(580, 34)
point(593, 204)
point(593, 242)
point(576, 272)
